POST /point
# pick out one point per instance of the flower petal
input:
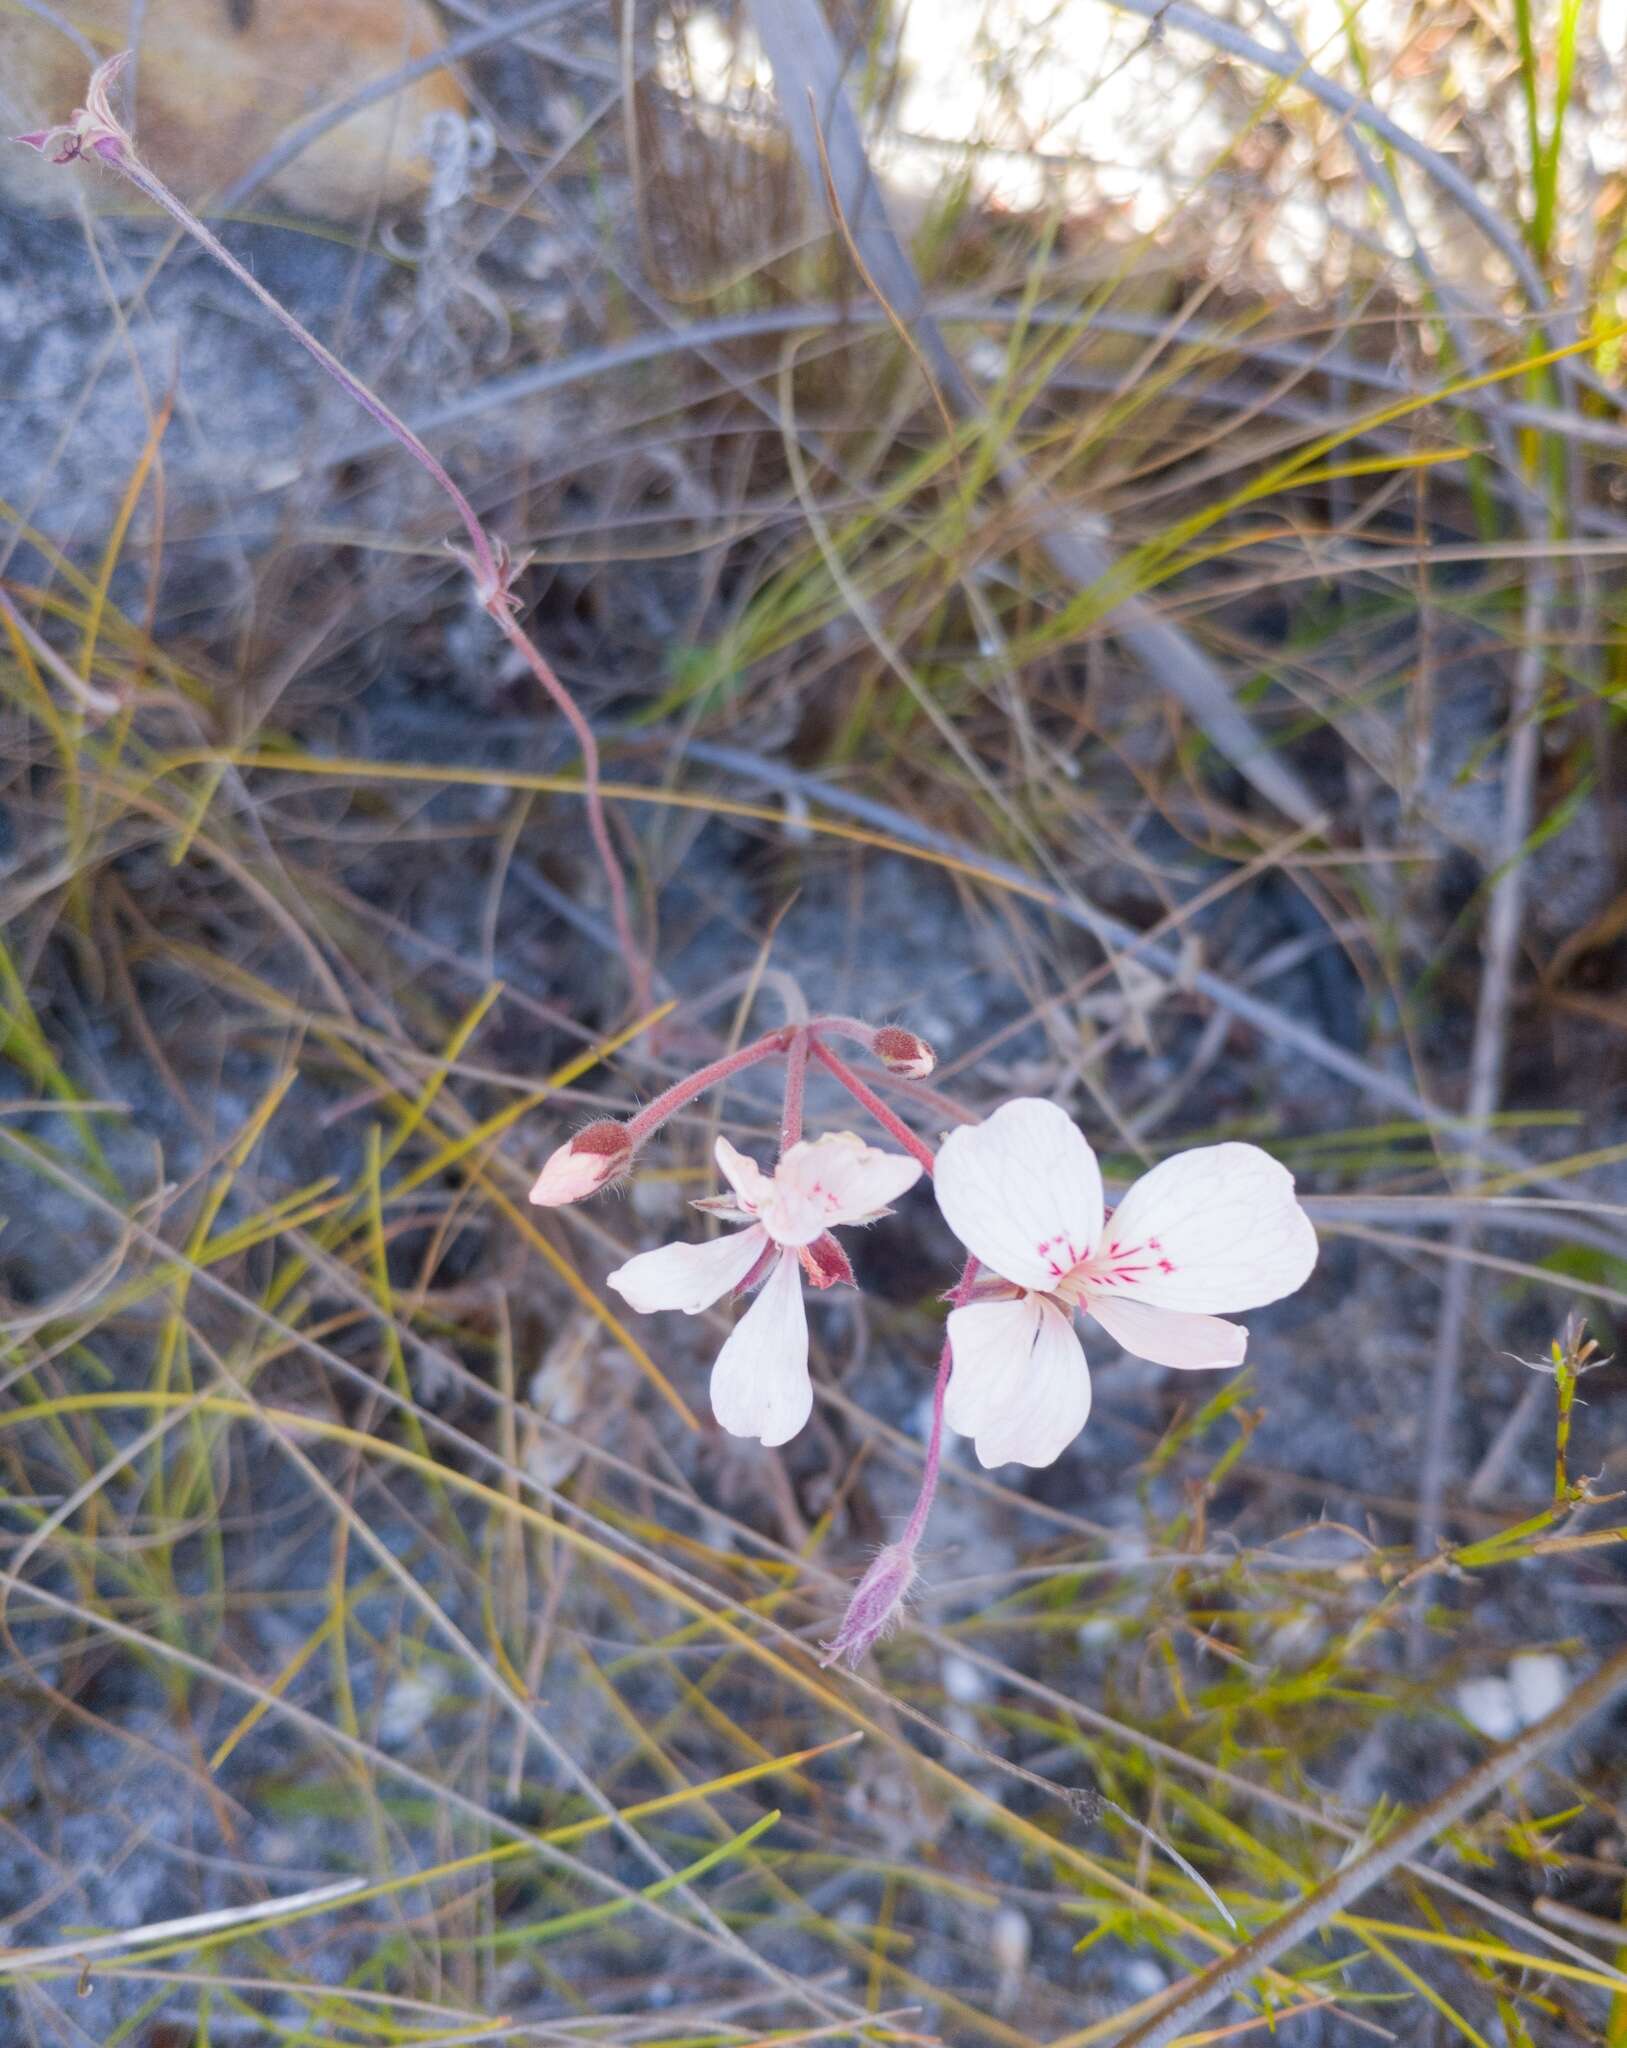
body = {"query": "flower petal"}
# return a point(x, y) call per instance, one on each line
point(1166, 1335)
point(760, 1384)
point(688, 1276)
point(1020, 1384)
point(745, 1176)
point(834, 1179)
point(1023, 1191)
point(1208, 1231)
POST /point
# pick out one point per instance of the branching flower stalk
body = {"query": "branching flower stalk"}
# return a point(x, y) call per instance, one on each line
point(95, 131)
point(868, 1099)
point(1213, 1229)
point(1208, 1231)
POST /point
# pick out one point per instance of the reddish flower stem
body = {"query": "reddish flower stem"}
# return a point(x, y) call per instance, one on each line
point(488, 563)
point(916, 1524)
point(118, 156)
point(796, 1076)
point(654, 1114)
point(638, 967)
point(879, 1599)
point(846, 1027)
point(891, 1124)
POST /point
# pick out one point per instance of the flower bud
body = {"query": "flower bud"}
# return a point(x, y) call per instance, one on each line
point(589, 1161)
point(876, 1608)
point(901, 1052)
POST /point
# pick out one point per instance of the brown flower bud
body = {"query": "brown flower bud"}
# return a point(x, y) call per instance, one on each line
point(901, 1052)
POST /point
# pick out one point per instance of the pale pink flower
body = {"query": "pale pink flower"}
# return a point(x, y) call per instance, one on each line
point(760, 1383)
point(1211, 1230)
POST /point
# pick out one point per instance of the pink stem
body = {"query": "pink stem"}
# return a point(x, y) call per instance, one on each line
point(890, 1123)
point(934, 1454)
point(654, 1114)
point(488, 565)
point(934, 1446)
point(846, 1027)
point(638, 968)
point(118, 157)
point(796, 1076)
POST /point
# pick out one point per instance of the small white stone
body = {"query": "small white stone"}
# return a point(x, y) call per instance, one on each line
point(797, 814)
point(1539, 1681)
point(963, 1726)
point(1488, 1704)
point(964, 1682)
point(1010, 1940)
point(408, 1705)
point(1144, 1977)
point(1296, 1642)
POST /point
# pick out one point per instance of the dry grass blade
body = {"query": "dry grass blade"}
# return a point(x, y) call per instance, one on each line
point(810, 74)
point(230, 1919)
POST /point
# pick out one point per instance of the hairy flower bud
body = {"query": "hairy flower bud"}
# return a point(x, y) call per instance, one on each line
point(901, 1052)
point(876, 1608)
point(591, 1160)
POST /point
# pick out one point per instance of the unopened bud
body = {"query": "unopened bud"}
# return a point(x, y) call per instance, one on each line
point(876, 1608)
point(901, 1052)
point(826, 1264)
point(589, 1161)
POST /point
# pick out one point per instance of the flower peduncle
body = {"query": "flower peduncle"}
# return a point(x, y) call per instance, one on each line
point(878, 1601)
point(894, 1126)
point(96, 131)
point(796, 1077)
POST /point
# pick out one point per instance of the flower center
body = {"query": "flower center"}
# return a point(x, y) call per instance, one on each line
point(1112, 1268)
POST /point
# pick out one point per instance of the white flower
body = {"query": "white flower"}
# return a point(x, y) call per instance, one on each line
point(760, 1384)
point(1210, 1230)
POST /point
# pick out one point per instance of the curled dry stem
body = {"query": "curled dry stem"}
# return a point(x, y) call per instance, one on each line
point(96, 131)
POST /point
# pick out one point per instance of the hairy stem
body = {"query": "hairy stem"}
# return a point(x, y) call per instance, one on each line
point(638, 967)
point(916, 1524)
point(654, 1114)
point(796, 1076)
point(893, 1125)
point(488, 562)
